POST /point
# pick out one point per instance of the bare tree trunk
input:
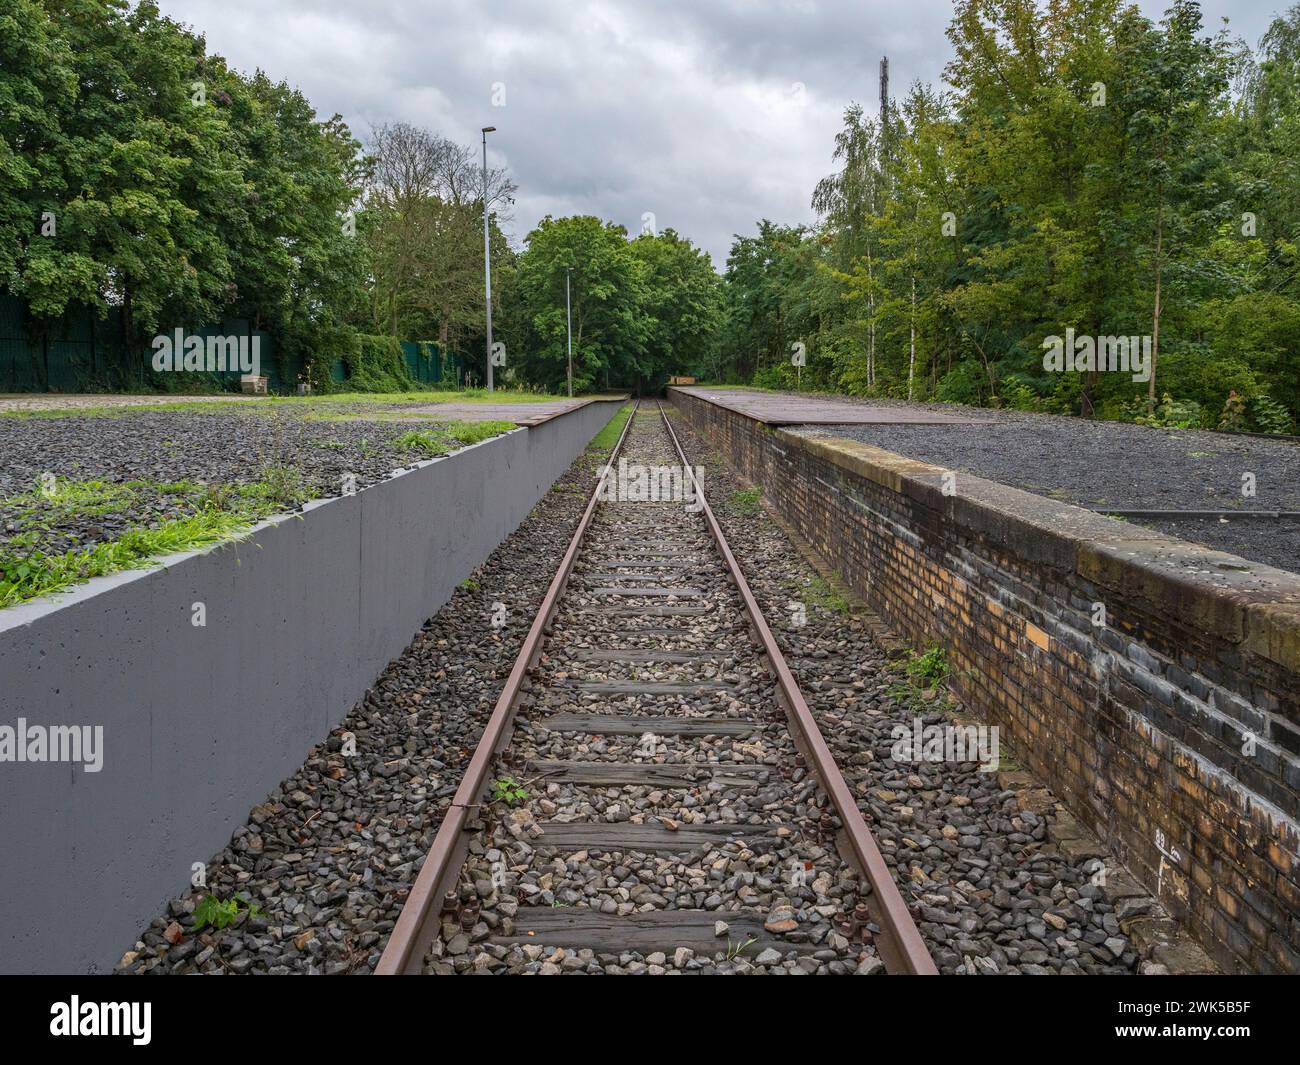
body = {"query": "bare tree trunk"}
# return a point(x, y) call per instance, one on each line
point(1155, 316)
point(871, 322)
point(1086, 408)
point(911, 363)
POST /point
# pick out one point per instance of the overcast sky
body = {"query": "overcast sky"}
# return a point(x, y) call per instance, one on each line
point(707, 114)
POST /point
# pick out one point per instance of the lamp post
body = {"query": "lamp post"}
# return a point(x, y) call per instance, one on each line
point(487, 256)
point(568, 319)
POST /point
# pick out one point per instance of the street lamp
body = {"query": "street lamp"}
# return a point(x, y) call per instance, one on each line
point(487, 256)
point(568, 319)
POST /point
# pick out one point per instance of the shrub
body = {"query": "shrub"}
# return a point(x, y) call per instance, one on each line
point(1233, 418)
point(965, 383)
point(779, 376)
point(377, 364)
point(1169, 413)
point(1016, 395)
point(1269, 416)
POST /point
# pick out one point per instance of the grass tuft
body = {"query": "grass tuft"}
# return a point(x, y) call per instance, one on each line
point(608, 436)
point(747, 501)
point(434, 442)
point(38, 574)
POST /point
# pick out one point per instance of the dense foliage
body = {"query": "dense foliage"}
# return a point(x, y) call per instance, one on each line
point(640, 309)
point(138, 171)
point(1084, 168)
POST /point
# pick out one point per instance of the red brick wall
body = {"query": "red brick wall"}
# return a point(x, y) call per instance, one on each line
point(1141, 726)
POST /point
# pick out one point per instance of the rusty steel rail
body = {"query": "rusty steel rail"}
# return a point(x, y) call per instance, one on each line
point(900, 943)
point(417, 925)
point(901, 947)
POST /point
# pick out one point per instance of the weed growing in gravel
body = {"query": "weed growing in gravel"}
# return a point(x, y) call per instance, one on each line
point(439, 442)
point(215, 496)
point(467, 433)
point(820, 592)
point(212, 911)
point(735, 950)
point(38, 574)
point(508, 791)
point(924, 673)
point(283, 485)
point(69, 499)
point(930, 669)
point(423, 440)
point(747, 501)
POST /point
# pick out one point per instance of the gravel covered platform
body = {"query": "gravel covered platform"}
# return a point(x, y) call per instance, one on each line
point(79, 478)
point(1101, 465)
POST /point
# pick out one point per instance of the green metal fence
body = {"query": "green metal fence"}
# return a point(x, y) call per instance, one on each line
point(84, 352)
point(430, 365)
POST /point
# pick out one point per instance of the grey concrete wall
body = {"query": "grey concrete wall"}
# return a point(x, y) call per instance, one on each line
point(201, 723)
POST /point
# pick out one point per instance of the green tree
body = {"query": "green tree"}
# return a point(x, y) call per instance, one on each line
point(37, 84)
point(607, 298)
point(762, 273)
point(1177, 80)
point(681, 306)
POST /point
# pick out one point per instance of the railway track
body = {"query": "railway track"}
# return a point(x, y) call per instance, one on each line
point(651, 791)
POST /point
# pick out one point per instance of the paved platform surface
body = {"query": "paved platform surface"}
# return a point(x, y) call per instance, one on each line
point(1095, 464)
point(783, 408)
point(47, 401)
point(519, 413)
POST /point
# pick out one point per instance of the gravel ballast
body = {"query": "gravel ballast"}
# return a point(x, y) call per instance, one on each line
point(975, 857)
point(767, 891)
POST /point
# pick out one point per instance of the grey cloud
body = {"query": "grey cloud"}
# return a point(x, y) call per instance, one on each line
point(709, 114)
